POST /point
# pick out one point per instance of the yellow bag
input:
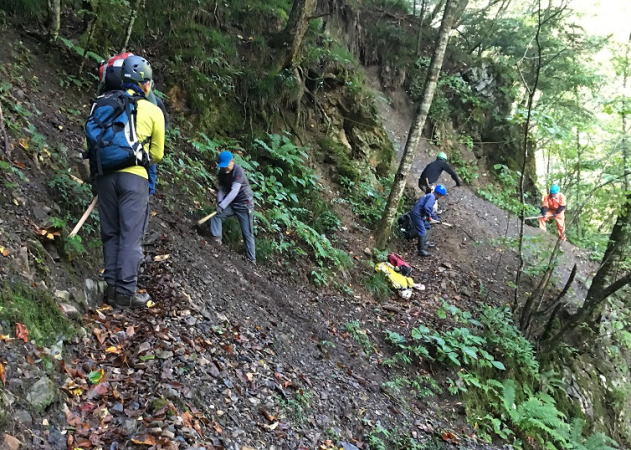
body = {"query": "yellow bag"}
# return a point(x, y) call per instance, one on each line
point(397, 280)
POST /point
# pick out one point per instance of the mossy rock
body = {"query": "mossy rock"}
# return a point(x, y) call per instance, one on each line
point(37, 310)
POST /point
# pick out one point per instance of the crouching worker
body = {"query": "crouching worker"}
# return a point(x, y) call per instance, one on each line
point(553, 207)
point(423, 213)
point(234, 198)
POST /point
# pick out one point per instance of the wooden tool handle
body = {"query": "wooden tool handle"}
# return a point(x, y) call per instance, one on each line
point(84, 217)
point(207, 218)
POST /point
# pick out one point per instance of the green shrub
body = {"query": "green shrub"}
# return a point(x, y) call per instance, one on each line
point(378, 285)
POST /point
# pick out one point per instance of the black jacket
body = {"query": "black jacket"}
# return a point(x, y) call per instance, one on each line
point(432, 172)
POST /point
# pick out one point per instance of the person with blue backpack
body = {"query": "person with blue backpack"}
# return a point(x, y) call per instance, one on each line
point(423, 214)
point(125, 134)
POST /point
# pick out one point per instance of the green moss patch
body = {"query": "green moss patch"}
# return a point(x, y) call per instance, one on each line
point(37, 310)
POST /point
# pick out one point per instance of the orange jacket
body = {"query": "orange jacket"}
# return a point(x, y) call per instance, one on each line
point(553, 202)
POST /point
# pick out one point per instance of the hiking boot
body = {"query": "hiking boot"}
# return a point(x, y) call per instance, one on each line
point(109, 294)
point(422, 246)
point(131, 301)
point(216, 240)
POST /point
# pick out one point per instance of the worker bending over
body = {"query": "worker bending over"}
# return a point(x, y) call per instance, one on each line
point(422, 215)
point(553, 206)
point(431, 173)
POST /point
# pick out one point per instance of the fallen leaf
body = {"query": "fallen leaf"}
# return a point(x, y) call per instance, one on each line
point(113, 349)
point(147, 357)
point(3, 374)
point(98, 390)
point(104, 308)
point(217, 428)
point(100, 335)
point(159, 258)
point(19, 165)
point(21, 332)
point(449, 437)
point(151, 304)
point(4, 251)
point(96, 376)
point(24, 143)
point(147, 439)
point(154, 213)
point(5, 338)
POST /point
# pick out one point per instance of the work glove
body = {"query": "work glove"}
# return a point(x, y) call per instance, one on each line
point(543, 210)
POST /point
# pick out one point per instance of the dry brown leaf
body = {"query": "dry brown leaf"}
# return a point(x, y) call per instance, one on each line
point(21, 332)
point(3, 374)
point(114, 349)
point(147, 439)
point(4, 251)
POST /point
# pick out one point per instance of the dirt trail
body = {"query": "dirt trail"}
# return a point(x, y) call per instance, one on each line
point(479, 224)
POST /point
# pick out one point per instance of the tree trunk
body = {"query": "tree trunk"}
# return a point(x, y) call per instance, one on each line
point(91, 30)
point(420, 27)
point(130, 24)
point(296, 29)
point(54, 9)
point(531, 96)
point(416, 130)
point(623, 115)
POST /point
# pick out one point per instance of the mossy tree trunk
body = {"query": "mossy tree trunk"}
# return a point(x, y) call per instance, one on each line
point(416, 130)
point(296, 29)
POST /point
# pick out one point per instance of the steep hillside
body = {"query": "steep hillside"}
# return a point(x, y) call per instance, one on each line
point(311, 348)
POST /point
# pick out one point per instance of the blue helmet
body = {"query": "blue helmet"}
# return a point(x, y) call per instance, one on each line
point(224, 159)
point(440, 189)
point(555, 189)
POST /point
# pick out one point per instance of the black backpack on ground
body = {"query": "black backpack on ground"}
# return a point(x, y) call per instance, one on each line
point(406, 226)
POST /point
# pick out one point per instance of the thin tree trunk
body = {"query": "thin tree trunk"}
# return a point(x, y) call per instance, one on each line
point(625, 133)
point(435, 12)
point(416, 130)
point(531, 96)
point(420, 27)
point(130, 24)
point(579, 155)
point(54, 9)
point(91, 30)
point(296, 29)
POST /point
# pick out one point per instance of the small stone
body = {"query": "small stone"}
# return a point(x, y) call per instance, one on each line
point(191, 321)
point(62, 295)
point(168, 434)
point(9, 443)
point(42, 394)
point(164, 354)
point(56, 440)
point(254, 401)
point(69, 310)
point(348, 446)
point(24, 417)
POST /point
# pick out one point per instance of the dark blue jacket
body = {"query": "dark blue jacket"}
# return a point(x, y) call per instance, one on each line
point(423, 209)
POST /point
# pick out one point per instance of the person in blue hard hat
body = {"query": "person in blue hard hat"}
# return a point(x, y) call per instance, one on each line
point(423, 214)
point(234, 198)
point(553, 207)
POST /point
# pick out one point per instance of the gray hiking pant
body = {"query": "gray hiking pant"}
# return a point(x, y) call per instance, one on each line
point(245, 215)
point(123, 202)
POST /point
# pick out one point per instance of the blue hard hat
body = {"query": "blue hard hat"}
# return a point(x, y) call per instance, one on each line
point(554, 189)
point(224, 159)
point(440, 189)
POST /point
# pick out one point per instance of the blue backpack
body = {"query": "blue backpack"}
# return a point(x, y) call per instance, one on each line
point(111, 134)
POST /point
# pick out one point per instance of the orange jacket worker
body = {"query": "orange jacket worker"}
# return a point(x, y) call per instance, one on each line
point(553, 206)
